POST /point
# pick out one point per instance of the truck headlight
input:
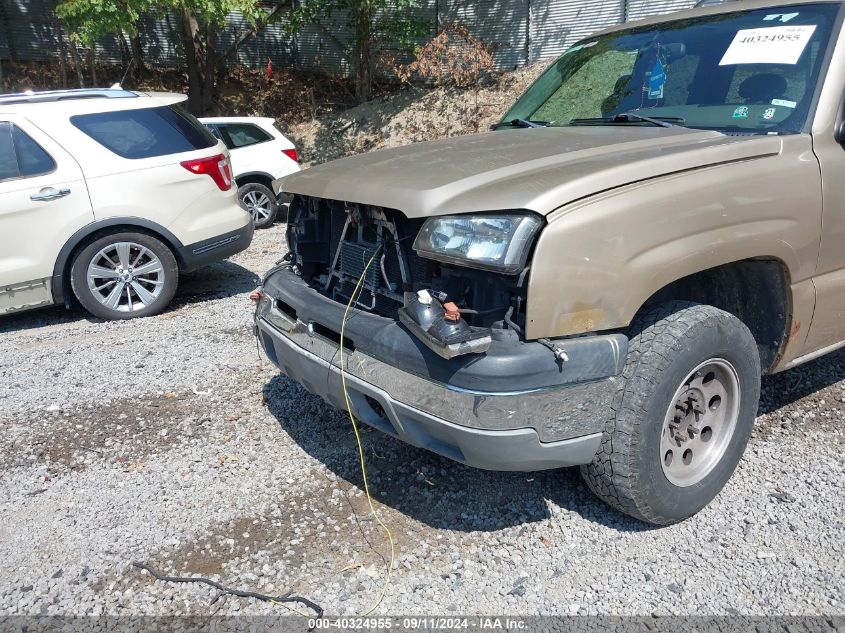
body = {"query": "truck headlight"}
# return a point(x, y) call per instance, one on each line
point(498, 242)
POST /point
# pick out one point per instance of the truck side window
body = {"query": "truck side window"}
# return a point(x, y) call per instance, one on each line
point(243, 135)
point(8, 160)
point(32, 159)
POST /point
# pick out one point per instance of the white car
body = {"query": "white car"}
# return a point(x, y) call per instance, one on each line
point(107, 195)
point(261, 154)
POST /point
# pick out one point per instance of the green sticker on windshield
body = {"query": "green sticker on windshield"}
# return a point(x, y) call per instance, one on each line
point(741, 112)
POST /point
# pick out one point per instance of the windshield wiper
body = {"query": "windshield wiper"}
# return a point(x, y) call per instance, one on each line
point(520, 123)
point(627, 117)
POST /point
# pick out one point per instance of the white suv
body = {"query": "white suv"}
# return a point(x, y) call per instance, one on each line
point(108, 195)
point(261, 154)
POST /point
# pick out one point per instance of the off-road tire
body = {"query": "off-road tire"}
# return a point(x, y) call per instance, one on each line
point(270, 206)
point(87, 297)
point(667, 343)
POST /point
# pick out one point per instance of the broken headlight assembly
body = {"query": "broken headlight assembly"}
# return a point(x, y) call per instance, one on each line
point(498, 242)
point(495, 242)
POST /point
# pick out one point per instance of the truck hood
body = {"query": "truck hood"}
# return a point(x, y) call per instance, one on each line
point(538, 169)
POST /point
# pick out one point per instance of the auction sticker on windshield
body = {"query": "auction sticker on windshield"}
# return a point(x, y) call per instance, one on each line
point(656, 82)
point(772, 45)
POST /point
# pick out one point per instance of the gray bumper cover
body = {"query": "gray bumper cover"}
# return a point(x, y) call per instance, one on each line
point(484, 430)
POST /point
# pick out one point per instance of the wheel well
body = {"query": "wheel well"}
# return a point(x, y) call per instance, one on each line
point(61, 278)
point(756, 291)
point(261, 179)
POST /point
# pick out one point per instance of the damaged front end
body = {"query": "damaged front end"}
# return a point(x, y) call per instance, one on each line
point(451, 309)
point(434, 352)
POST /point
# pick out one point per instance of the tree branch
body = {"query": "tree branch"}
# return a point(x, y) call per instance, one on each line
point(244, 35)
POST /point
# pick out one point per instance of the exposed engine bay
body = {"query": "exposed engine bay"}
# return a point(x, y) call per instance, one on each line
point(333, 243)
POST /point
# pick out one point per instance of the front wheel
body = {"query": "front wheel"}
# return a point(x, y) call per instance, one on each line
point(259, 200)
point(682, 416)
point(124, 275)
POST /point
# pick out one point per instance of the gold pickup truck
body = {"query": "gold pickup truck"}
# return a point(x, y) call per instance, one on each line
point(602, 279)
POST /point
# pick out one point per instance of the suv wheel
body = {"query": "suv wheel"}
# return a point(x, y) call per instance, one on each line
point(124, 275)
point(259, 200)
point(682, 416)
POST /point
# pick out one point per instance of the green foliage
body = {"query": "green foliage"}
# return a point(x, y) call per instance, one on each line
point(371, 24)
point(390, 21)
point(213, 12)
point(89, 19)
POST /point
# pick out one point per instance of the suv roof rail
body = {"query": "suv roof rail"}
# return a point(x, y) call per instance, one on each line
point(65, 95)
point(711, 3)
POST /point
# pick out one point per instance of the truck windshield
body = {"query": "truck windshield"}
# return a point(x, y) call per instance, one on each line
point(746, 72)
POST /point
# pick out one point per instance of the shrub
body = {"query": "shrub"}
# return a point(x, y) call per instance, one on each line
point(453, 56)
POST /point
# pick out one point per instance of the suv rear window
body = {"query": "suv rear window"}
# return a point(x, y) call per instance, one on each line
point(146, 132)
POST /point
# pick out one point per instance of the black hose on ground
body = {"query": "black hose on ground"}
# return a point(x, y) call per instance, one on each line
point(235, 592)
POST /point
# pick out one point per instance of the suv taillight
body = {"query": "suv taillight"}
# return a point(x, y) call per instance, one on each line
point(291, 153)
point(218, 167)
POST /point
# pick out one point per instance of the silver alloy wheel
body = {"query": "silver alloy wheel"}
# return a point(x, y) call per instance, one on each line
point(258, 204)
point(700, 422)
point(125, 276)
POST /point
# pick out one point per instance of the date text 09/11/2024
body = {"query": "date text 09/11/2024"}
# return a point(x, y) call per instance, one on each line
point(433, 623)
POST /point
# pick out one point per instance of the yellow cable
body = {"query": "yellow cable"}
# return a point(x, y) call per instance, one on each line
point(358, 437)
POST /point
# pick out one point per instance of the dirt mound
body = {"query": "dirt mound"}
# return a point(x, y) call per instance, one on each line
point(410, 115)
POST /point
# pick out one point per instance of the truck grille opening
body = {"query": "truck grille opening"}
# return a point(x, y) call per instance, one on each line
point(333, 336)
point(331, 242)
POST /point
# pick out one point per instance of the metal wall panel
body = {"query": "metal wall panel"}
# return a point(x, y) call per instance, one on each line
point(158, 40)
point(638, 9)
point(271, 43)
point(521, 30)
point(557, 24)
point(320, 47)
point(426, 13)
point(31, 29)
point(4, 31)
point(502, 23)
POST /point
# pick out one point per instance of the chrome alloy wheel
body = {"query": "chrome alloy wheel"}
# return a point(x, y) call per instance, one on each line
point(258, 204)
point(125, 276)
point(700, 423)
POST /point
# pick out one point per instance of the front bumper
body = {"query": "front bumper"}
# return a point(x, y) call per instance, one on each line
point(527, 428)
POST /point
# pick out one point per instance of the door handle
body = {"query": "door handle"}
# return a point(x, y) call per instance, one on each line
point(50, 193)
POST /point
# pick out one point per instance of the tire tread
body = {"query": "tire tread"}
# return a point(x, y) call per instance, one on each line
point(655, 335)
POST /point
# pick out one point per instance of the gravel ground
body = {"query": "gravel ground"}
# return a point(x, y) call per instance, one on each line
point(168, 440)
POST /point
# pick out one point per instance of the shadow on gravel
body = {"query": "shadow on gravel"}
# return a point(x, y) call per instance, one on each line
point(785, 388)
point(217, 281)
point(32, 319)
point(426, 487)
